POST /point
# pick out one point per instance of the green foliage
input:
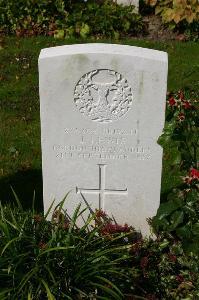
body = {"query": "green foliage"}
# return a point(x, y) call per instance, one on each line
point(181, 129)
point(68, 18)
point(164, 270)
point(180, 14)
point(179, 213)
point(57, 259)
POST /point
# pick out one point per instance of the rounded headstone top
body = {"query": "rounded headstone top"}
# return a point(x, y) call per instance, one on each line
point(104, 48)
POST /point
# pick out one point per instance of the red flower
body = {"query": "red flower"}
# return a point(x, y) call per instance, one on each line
point(194, 173)
point(181, 117)
point(42, 245)
point(144, 262)
point(172, 101)
point(179, 278)
point(110, 228)
point(181, 95)
point(136, 247)
point(187, 180)
point(172, 257)
point(50, 33)
point(66, 225)
point(58, 216)
point(37, 218)
point(100, 214)
point(187, 105)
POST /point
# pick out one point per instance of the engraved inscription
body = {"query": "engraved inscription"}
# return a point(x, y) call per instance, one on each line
point(102, 144)
point(103, 95)
point(102, 191)
point(102, 152)
point(101, 131)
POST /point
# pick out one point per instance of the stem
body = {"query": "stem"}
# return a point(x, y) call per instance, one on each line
point(188, 149)
point(195, 154)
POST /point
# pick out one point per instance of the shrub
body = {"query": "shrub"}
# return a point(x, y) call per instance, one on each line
point(179, 213)
point(180, 14)
point(176, 10)
point(164, 271)
point(56, 259)
point(64, 18)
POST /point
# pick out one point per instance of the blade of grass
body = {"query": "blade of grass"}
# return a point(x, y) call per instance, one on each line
point(107, 291)
point(87, 222)
point(4, 292)
point(61, 203)
point(23, 225)
point(135, 297)
point(8, 244)
point(29, 296)
point(66, 296)
point(88, 206)
point(16, 199)
point(13, 218)
point(33, 203)
point(49, 209)
point(50, 273)
point(49, 294)
point(55, 249)
point(80, 292)
point(100, 252)
point(26, 278)
point(110, 284)
point(74, 218)
point(12, 225)
point(2, 211)
point(4, 228)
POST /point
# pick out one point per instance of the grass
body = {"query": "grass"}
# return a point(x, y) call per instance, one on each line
point(58, 259)
point(20, 152)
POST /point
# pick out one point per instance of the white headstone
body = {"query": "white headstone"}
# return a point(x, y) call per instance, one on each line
point(130, 2)
point(102, 111)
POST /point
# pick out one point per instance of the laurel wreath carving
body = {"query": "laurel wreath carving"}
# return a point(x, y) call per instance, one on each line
point(103, 101)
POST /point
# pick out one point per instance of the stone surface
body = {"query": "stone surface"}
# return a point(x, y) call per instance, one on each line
point(130, 2)
point(102, 111)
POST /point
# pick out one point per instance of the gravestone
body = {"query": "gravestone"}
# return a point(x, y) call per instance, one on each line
point(135, 3)
point(102, 111)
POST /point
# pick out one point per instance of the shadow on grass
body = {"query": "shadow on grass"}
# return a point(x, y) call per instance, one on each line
point(24, 183)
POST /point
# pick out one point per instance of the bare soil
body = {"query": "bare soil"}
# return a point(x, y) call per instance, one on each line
point(158, 31)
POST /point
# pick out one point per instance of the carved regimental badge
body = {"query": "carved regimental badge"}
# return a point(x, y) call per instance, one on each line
point(103, 95)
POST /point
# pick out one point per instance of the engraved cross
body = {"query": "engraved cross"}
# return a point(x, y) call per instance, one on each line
point(102, 191)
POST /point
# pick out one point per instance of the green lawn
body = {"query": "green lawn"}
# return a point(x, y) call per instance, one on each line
point(20, 153)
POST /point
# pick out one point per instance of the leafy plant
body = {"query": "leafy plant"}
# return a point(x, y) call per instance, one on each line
point(181, 129)
point(179, 213)
point(179, 14)
point(176, 10)
point(63, 18)
point(164, 271)
point(56, 259)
